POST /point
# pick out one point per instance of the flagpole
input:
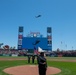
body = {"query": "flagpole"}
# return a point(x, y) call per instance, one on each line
point(61, 45)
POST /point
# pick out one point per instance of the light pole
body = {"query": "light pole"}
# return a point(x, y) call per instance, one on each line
point(66, 46)
point(72, 47)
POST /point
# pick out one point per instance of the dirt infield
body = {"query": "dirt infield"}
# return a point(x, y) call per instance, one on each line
point(29, 70)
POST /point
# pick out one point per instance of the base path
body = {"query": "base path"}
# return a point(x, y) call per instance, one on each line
point(29, 70)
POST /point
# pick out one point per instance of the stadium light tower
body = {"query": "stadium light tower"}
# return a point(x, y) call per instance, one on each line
point(20, 36)
point(49, 38)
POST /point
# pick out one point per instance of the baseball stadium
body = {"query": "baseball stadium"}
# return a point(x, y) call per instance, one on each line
point(15, 61)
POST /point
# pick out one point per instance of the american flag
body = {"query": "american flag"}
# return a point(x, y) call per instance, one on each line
point(35, 50)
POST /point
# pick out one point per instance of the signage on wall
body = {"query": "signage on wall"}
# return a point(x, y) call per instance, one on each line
point(20, 42)
point(21, 29)
point(20, 47)
point(20, 36)
point(48, 29)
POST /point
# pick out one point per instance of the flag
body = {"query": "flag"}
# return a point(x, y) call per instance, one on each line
point(35, 50)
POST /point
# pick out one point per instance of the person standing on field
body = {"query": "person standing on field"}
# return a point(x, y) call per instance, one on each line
point(29, 57)
point(33, 58)
point(42, 64)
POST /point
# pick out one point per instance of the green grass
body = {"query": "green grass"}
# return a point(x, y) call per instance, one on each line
point(63, 58)
point(68, 68)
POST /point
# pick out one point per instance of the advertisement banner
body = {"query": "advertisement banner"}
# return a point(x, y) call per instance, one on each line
point(49, 30)
point(19, 47)
point(20, 36)
point(19, 41)
point(21, 29)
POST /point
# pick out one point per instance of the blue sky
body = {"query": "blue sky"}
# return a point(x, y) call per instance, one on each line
point(58, 14)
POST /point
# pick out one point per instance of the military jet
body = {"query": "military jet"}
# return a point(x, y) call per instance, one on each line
point(38, 16)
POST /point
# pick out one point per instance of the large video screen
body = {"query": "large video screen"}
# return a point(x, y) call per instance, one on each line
point(30, 42)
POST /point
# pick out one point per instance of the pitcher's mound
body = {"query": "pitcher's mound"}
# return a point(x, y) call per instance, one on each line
point(29, 70)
